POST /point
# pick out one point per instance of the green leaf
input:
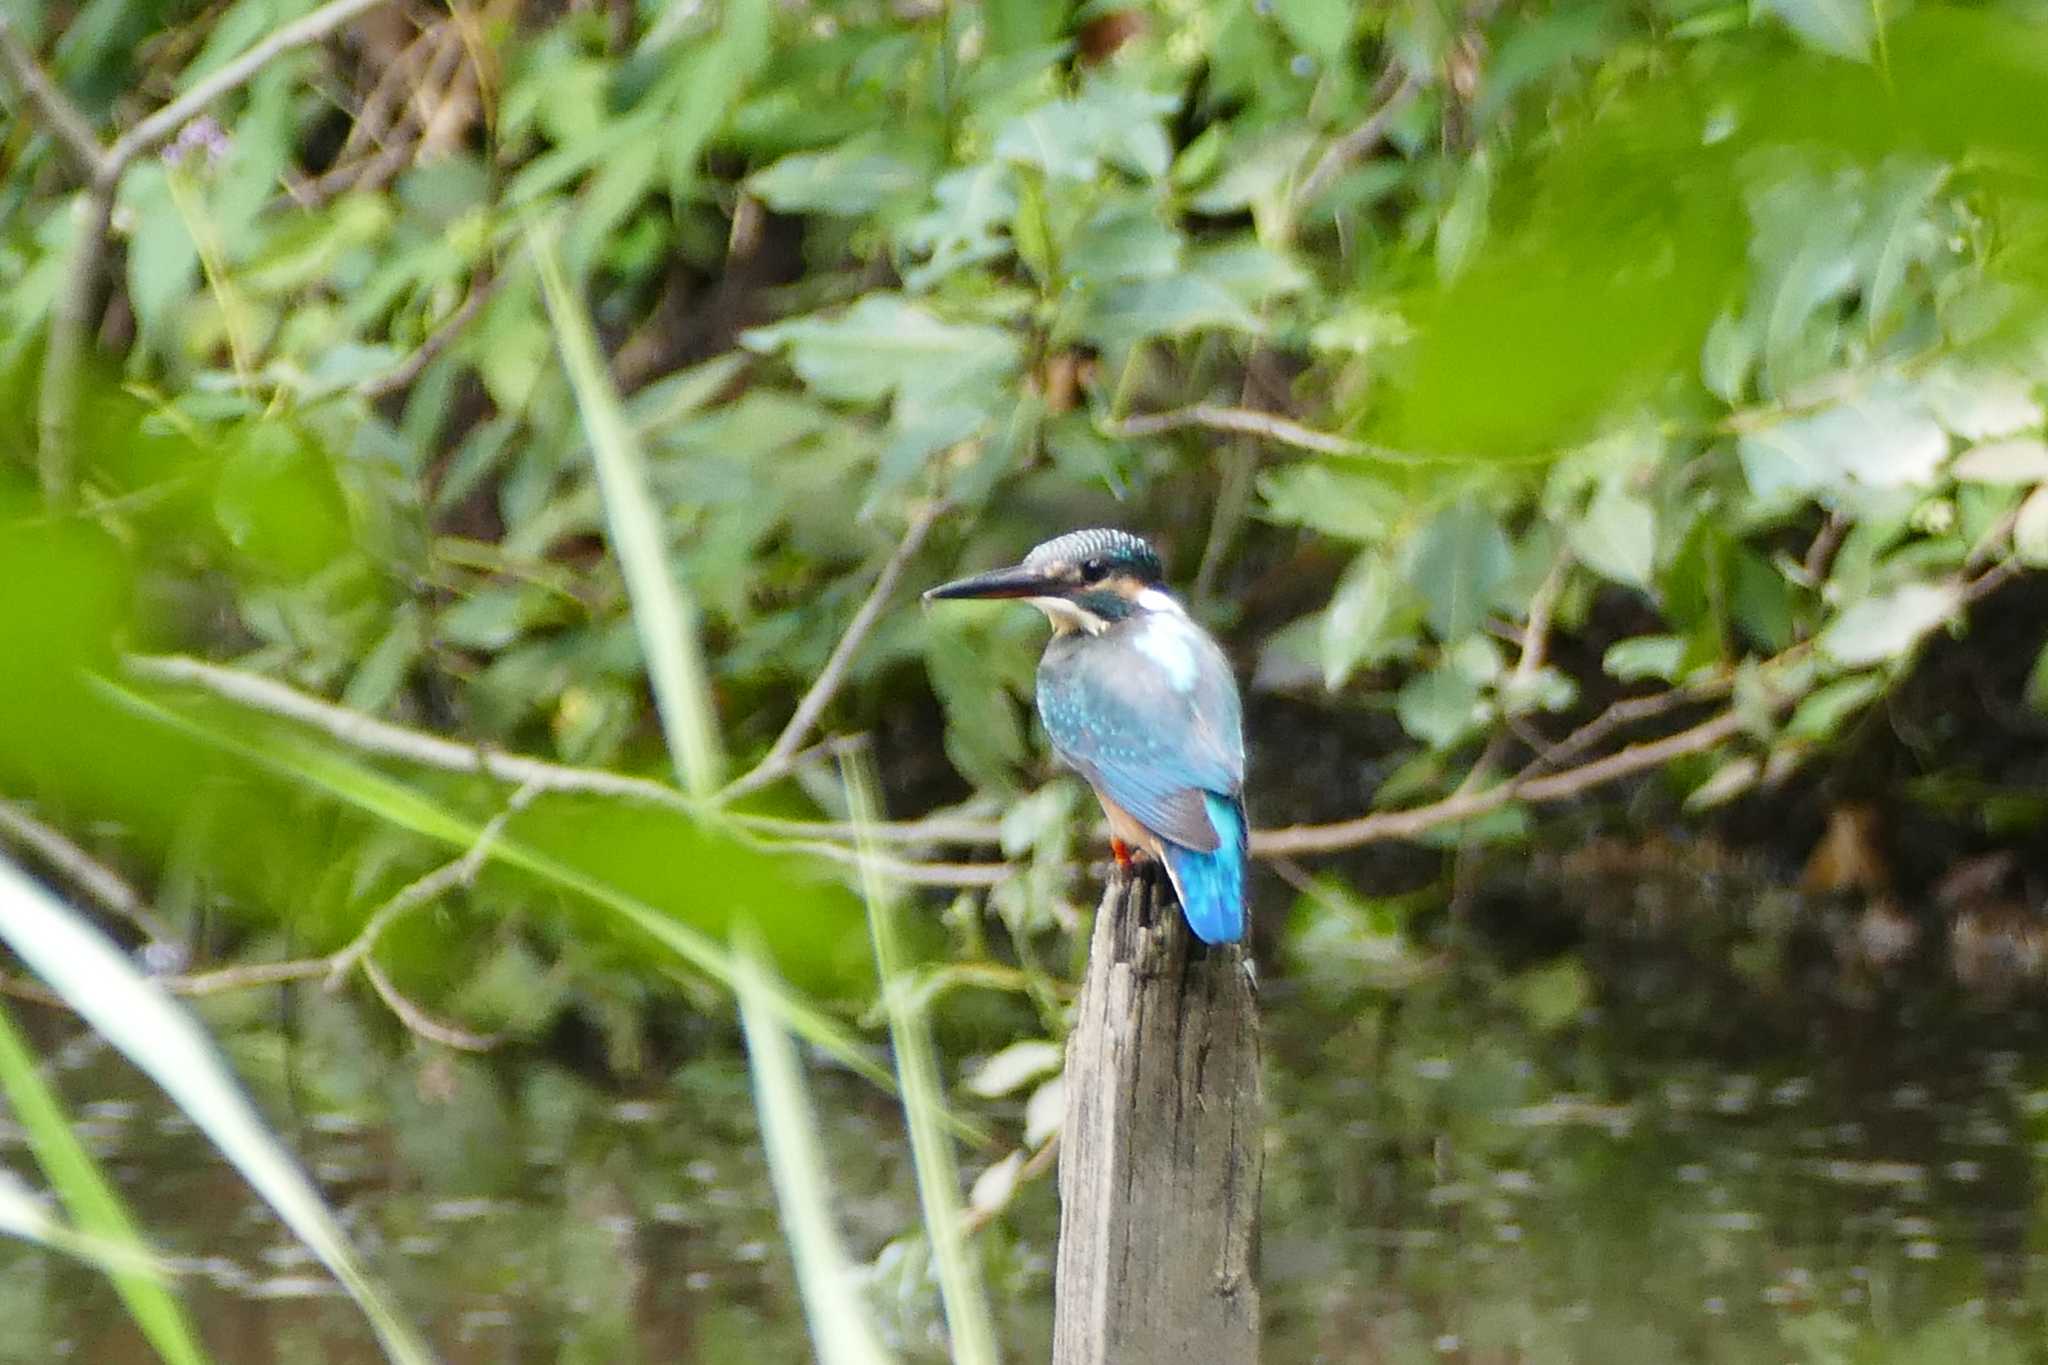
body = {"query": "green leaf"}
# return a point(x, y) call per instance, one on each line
point(1015, 1066)
point(1617, 537)
point(1441, 707)
point(1464, 221)
point(1355, 624)
point(1169, 306)
point(1821, 714)
point(2017, 459)
point(1880, 629)
point(1336, 501)
point(1321, 27)
point(1645, 656)
point(885, 345)
point(2030, 530)
point(1882, 438)
point(1456, 565)
point(849, 180)
point(1842, 28)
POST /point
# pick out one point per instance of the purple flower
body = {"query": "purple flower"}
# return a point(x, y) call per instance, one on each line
point(204, 135)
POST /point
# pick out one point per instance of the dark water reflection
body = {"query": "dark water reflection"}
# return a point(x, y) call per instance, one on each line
point(1646, 1144)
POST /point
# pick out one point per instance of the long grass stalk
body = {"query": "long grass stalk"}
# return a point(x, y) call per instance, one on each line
point(840, 1329)
point(397, 804)
point(924, 1100)
point(159, 1036)
point(664, 613)
point(93, 1203)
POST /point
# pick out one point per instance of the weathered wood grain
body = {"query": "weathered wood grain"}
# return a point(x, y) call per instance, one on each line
point(1161, 1155)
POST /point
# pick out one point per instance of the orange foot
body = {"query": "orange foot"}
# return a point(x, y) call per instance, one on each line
point(1121, 851)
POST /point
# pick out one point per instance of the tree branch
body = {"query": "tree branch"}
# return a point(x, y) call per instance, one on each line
point(63, 118)
point(402, 374)
point(1244, 422)
point(1382, 826)
point(778, 759)
point(163, 125)
point(1394, 91)
point(99, 882)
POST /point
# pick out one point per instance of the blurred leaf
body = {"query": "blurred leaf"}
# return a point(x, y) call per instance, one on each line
point(1881, 438)
point(1843, 28)
point(851, 179)
point(2018, 459)
point(1015, 1066)
point(1645, 656)
point(1880, 629)
point(1464, 221)
point(1457, 563)
point(1333, 500)
point(156, 1034)
point(1356, 620)
point(2030, 530)
point(1820, 715)
point(1552, 995)
point(1617, 537)
point(1441, 707)
point(886, 345)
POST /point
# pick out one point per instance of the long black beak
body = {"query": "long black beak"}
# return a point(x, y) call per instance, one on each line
point(1016, 581)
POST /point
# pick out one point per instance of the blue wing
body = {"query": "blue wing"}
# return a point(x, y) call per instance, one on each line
point(1154, 722)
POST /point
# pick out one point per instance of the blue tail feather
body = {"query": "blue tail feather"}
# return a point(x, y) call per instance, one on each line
point(1211, 885)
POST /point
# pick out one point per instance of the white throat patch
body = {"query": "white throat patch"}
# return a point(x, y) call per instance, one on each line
point(1065, 616)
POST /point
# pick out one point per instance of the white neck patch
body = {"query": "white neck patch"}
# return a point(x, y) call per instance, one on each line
point(1165, 642)
point(1152, 599)
point(1065, 616)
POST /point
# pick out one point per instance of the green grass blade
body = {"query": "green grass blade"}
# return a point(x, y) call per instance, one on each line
point(90, 1198)
point(23, 1216)
point(664, 613)
point(840, 1329)
point(924, 1101)
point(359, 785)
point(156, 1034)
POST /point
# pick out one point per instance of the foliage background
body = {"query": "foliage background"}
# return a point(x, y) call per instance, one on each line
point(1531, 396)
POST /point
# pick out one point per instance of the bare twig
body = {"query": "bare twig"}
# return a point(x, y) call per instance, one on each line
point(777, 761)
point(1394, 90)
point(419, 1021)
point(371, 735)
point(1382, 826)
point(402, 374)
point(932, 829)
point(460, 872)
point(905, 872)
point(101, 883)
point(1243, 421)
point(102, 169)
point(163, 125)
point(63, 118)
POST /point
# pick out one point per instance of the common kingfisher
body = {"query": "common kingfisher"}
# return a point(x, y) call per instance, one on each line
point(1140, 701)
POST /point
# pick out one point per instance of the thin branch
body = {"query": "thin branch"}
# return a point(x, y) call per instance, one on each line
point(371, 735)
point(402, 374)
point(1382, 826)
point(777, 762)
point(1343, 151)
point(932, 829)
point(100, 883)
point(422, 1023)
point(460, 872)
point(163, 125)
point(905, 872)
point(64, 119)
point(1243, 421)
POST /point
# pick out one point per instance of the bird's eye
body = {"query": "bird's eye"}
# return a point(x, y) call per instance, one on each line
point(1094, 568)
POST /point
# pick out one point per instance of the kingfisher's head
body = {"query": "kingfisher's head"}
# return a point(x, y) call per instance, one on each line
point(1083, 580)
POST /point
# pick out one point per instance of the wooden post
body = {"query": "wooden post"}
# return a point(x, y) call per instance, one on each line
point(1161, 1155)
